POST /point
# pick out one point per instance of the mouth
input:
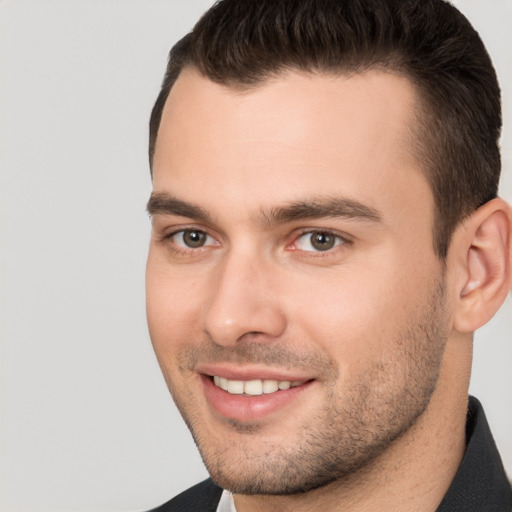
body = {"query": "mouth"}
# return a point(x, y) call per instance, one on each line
point(254, 387)
point(245, 398)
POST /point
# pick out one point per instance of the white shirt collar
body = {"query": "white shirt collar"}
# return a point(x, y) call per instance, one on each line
point(226, 503)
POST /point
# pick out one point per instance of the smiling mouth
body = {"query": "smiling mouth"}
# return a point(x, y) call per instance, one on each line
point(254, 387)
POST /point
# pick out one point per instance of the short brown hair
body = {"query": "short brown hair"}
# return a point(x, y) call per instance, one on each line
point(241, 43)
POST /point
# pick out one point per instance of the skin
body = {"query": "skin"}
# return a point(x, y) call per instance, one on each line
point(369, 323)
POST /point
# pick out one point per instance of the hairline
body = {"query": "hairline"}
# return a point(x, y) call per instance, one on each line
point(421, 103)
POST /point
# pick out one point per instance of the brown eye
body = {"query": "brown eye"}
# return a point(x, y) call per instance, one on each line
point(194, 239)
point(318, 241)
point(322, 241)
point(190, 242)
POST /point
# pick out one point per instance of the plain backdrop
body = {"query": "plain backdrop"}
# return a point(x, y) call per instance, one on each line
point(87, 423)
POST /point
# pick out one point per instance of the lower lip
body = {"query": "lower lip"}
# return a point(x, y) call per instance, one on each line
point(247, 408)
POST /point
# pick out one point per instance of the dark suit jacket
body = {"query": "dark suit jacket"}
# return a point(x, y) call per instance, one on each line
point(480, 484)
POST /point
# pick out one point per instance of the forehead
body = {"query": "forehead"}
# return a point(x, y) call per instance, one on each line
point(373, 97)
point(292, 135)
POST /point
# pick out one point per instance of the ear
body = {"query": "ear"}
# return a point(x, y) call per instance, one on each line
point(482, 254)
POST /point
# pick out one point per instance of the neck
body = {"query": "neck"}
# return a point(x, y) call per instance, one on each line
point(414, 473)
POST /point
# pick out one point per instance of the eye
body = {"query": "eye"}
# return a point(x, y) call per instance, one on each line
point(192, 239)
point(318, 241)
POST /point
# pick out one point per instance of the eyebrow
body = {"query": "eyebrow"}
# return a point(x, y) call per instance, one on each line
point(166, 204)
point(316, 208)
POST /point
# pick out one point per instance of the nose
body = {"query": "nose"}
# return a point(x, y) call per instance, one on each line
point(243, 302)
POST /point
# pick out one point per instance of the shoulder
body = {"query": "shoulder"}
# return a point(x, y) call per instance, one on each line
point(203, 497)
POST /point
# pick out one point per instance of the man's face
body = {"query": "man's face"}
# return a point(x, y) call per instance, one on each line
point(294, 300)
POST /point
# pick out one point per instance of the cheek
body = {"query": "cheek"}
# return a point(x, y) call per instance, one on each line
point(356, 316)
point(173, 306)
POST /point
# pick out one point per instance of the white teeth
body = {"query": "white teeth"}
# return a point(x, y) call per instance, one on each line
point(223, 383)
point(254, 387)
point(270, 386)
point(235, 387)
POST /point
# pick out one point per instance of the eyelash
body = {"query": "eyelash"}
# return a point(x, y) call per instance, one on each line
point(179, 249)
point(340, 241)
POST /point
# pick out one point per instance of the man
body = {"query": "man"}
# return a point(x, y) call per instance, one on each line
point(326, 239)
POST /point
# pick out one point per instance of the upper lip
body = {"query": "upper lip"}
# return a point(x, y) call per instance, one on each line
point(246, 372)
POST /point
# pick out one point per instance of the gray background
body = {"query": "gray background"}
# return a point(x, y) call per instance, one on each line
point(87, 423)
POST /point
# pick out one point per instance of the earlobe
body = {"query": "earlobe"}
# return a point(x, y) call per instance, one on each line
point(486, 258)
